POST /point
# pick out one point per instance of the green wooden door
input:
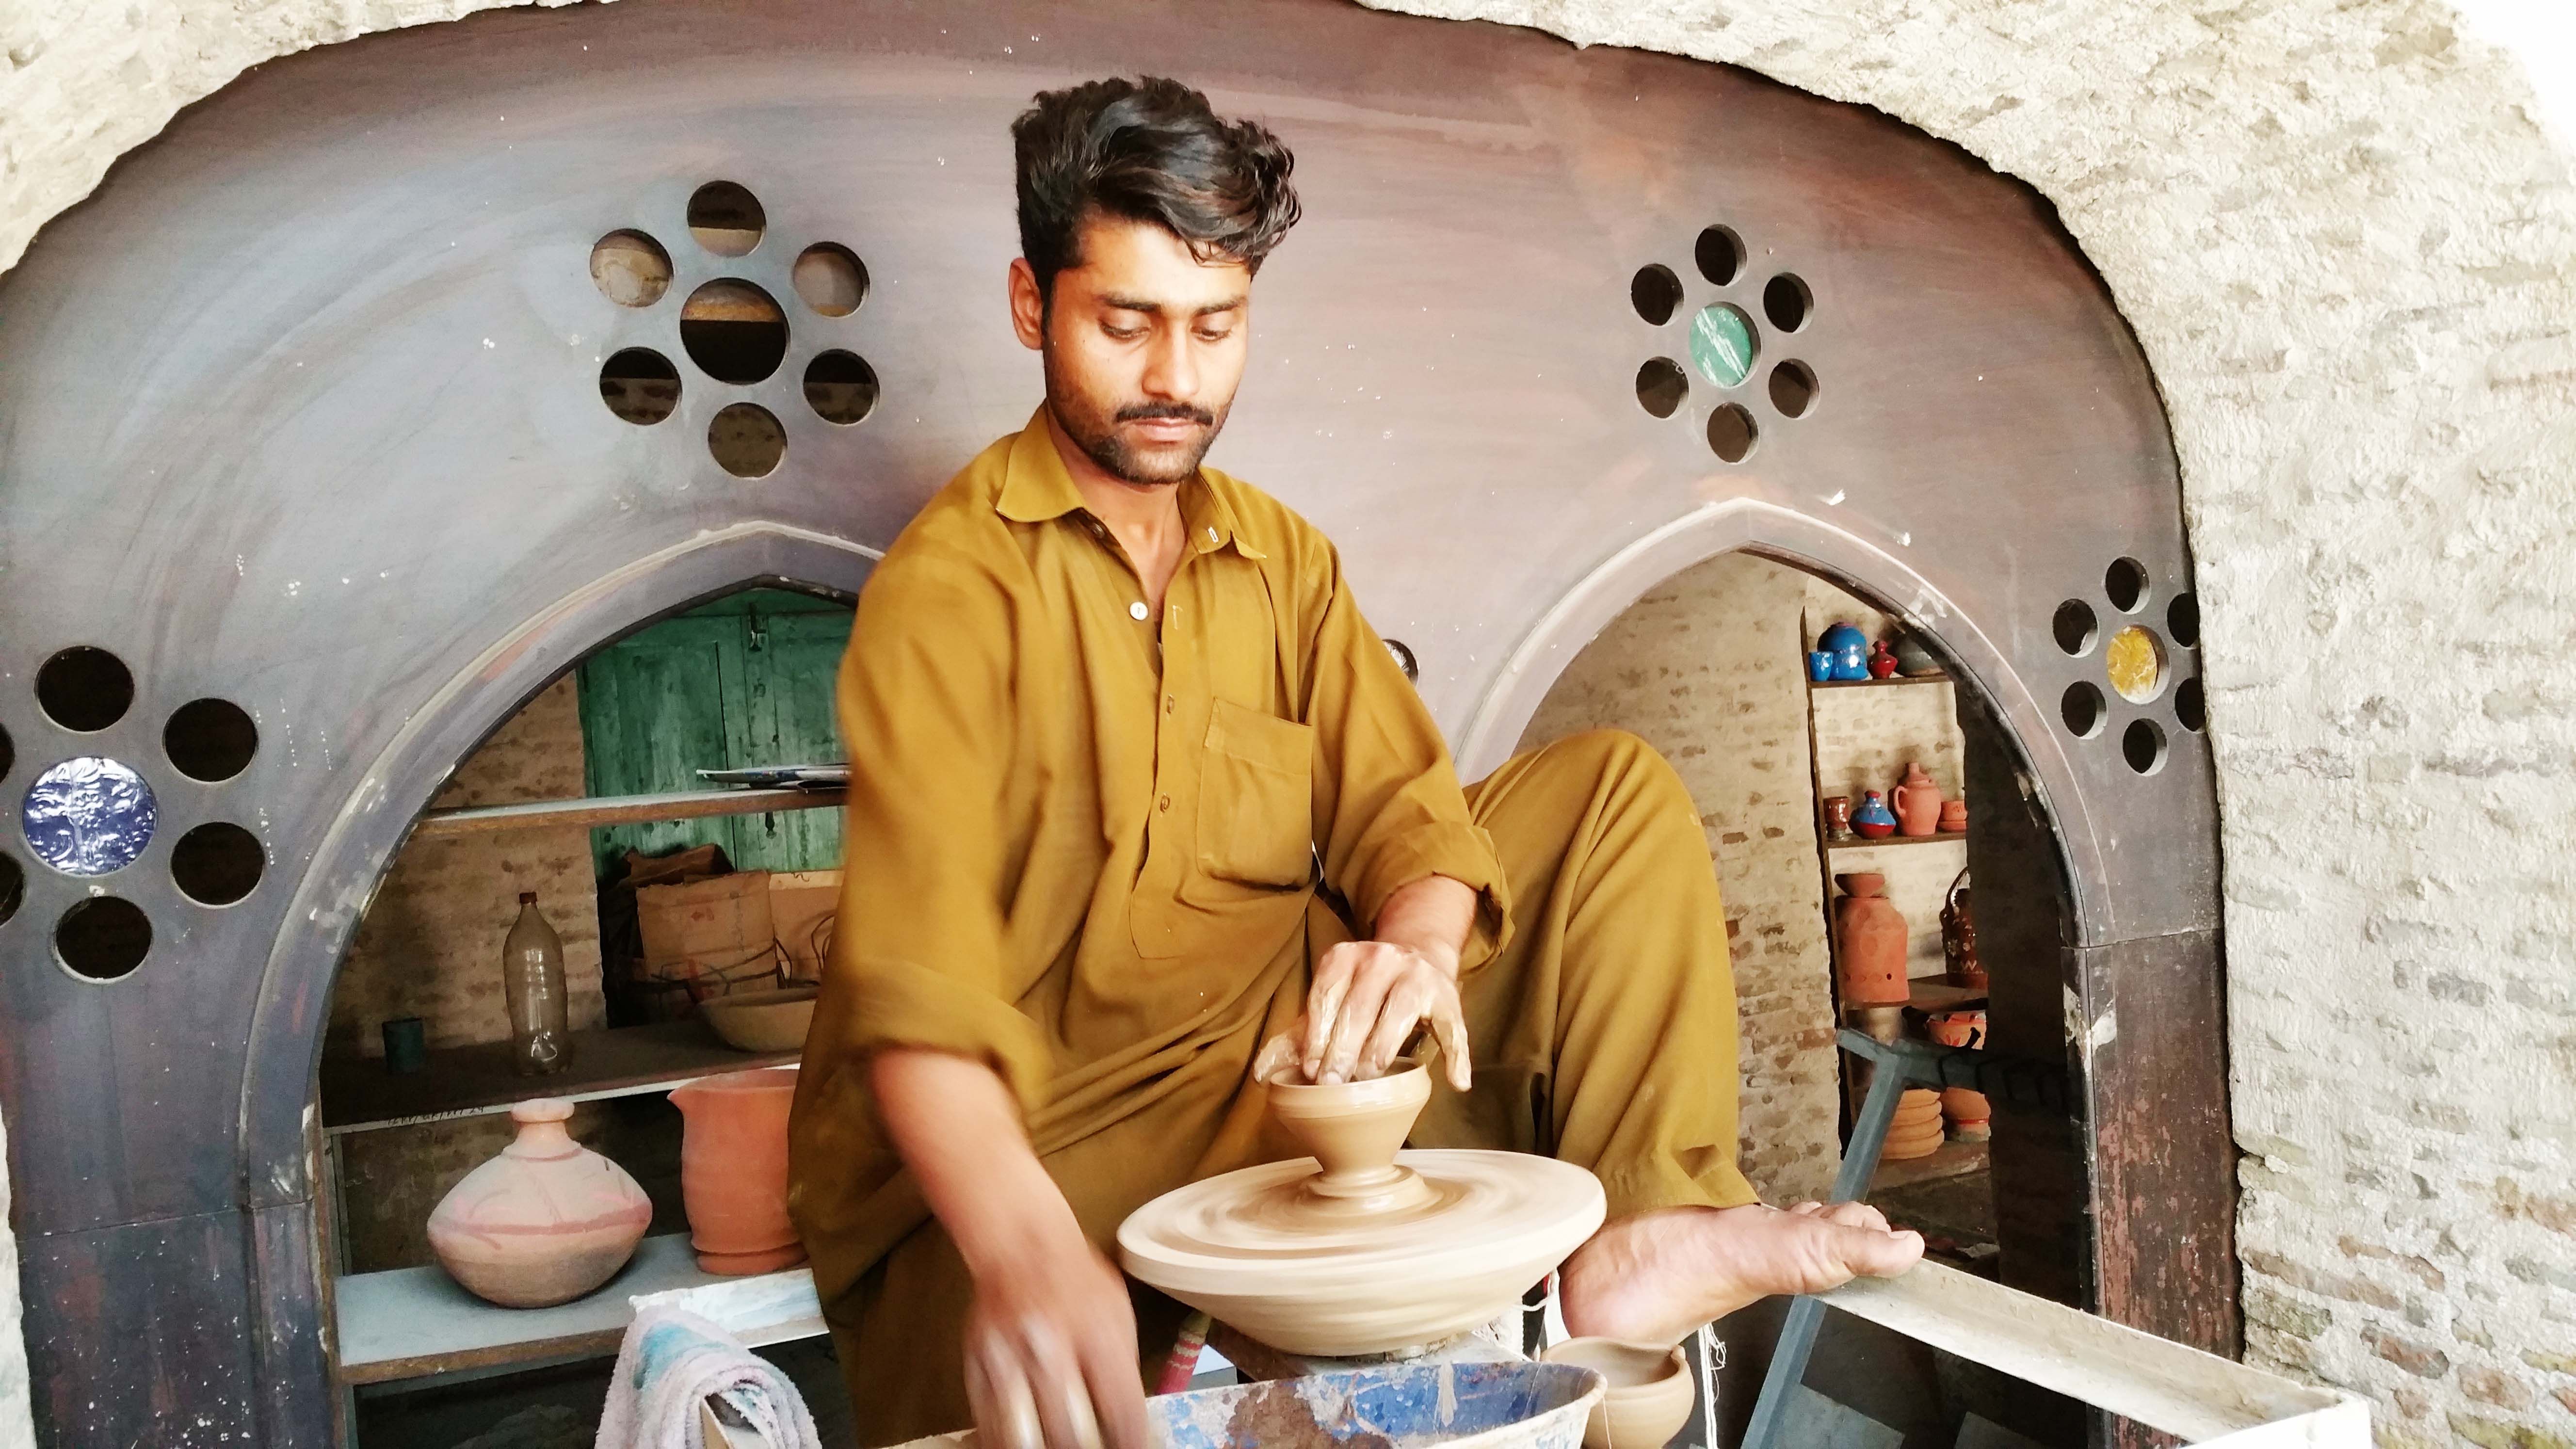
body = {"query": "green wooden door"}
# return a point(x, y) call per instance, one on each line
point(746, 680)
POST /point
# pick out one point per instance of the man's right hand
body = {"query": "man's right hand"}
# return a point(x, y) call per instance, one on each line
point(1051, 1355)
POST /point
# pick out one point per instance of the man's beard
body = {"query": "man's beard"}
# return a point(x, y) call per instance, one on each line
point(1092, 425)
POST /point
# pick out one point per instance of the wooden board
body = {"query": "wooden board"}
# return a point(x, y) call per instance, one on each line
point(359, 1095)
point(413, 1322)
point(1933, 839)
point(595, 810)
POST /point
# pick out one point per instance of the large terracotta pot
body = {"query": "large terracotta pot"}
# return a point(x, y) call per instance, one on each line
point(733, 1170)
point(1918, 803)
point(543, 1223)
point(1869, 942)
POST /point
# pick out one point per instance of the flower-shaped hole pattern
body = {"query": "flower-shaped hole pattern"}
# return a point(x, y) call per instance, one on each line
point(1721, 344)
point(734, 331)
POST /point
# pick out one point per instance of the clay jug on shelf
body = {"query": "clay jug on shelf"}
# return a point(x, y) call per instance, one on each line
point(1871, 819)
point(1918, 803)
point(1869, 942)
point(1959, 937)
point(1882, 665)
point(543, 1223)
point(1850, 648)
point(1838, 827)
point(733, 1170)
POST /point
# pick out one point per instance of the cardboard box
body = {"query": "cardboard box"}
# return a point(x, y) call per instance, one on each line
point(708, 929)
point(802, 904)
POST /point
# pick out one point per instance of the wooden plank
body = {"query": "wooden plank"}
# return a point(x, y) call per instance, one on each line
point(1939, 838)
point(1929, 995)
point(1878, 683)
point(413, 1322)
point(616, 809)
point(1955, 1159)
point(2180, 1390)
point(359, 1095)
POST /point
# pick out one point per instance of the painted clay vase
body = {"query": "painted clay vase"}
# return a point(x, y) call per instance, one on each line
point(1918, 803)
point(1882, 665)
point(1959, 937)
point(733, 1170)
point(1869, 942)
point(1954, 817)
point(1913, 660)
point(1838, 826)
point(1850, 648)
point(1871, 819)
point(1650, 1394)
point(545, 1222)
point(1820, 666)
point(1965, 1030)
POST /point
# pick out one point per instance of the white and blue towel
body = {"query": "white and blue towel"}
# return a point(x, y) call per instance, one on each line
point(671, 1362)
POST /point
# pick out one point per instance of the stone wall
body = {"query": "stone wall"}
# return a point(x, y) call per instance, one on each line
point(2347, 249)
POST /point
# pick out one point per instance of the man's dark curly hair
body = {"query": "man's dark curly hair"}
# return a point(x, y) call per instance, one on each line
point(1148, 150)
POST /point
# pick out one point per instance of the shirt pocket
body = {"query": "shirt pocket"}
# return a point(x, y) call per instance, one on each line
point(1256, 798)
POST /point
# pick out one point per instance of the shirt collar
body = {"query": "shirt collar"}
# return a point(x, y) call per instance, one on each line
point(1036, 487)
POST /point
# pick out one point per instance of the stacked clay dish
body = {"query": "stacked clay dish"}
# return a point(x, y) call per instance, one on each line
point(1917, 1129)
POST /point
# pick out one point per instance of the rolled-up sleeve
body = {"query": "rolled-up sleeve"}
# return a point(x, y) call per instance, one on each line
point(925, 701)
point(1388, 807)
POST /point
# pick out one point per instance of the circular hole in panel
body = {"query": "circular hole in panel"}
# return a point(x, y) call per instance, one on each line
point(1731, 433)
point(13, 887)
point(747, 440)
point(1655, 292)
point(1719, 253)
point(831, 279)
point(2142, 744)
point(103, 938)
point(1404, 659)
point(840, 386)
point(2182, 621)
point(733, 330)
point(1793, 389)
point(2082, 708)
point(1787, 302)
point(85, 689)
point(2124, 583)
point(630, 268)
point(726, 218)
point(2075, 628)
point(1723, 344)
point(8, 754)
point(2135, 662)
point(639, 385)
point(89, 816)
point(2191, 707)
point(217, 864)
point(1661, 386)
point(210, 739)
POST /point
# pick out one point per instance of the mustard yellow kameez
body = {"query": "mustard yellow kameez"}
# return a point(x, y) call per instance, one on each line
point(1083, 847)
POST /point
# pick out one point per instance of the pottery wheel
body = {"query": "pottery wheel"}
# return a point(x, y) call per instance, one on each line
point(1441, 1250)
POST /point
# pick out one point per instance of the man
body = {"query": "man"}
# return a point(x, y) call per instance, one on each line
point(1134, 789)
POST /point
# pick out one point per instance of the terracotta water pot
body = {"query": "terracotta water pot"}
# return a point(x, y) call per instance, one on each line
point(1650, 1393)
point(733, 1170)
point(543, 1223)
point(1918, 803)
point(1869, 942)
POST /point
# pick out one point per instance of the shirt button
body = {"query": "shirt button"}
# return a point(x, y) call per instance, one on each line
point(1211, 535)
point(1164, 804)
point(1168, 702)
point(1137, 611)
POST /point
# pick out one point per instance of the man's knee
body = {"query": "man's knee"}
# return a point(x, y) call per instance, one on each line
point(1621, 765)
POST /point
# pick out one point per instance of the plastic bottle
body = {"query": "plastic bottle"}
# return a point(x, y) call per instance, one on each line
point(532, 974)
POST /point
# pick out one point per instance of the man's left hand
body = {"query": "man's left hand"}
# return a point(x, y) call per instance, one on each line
point(1368, 999)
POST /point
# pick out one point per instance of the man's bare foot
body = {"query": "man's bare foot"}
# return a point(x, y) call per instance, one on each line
point(1655, 1276)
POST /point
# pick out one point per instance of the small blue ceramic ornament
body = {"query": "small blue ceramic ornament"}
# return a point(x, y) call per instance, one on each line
point(1820, 665)
point(1872, 819)
point(1850, 648)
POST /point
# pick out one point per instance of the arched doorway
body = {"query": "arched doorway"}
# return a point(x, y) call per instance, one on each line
point(368, 479)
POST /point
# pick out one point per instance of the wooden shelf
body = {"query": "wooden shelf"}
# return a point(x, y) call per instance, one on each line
point(410, 1323)
point(1953, 1159)
point(1928, 995)
point(1893, 679)
point(1896, 840)
point(359, 1095)
point(624, 809)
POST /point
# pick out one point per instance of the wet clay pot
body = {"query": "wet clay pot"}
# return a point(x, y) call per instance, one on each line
point(1918, 803)
point(1869, 942)
point(733, 1170)
point(1353, 1129)
point(543, 1223)
point(1650, 1394)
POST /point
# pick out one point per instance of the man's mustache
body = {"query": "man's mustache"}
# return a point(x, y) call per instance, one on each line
point(1141, 412)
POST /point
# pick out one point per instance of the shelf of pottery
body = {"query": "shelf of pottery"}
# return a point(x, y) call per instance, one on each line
point(1885, 747)
point(540, 1248)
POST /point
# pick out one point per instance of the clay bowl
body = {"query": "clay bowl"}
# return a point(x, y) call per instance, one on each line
point(1650, 1393)
point(1353, 1128)
point(774, 1020)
